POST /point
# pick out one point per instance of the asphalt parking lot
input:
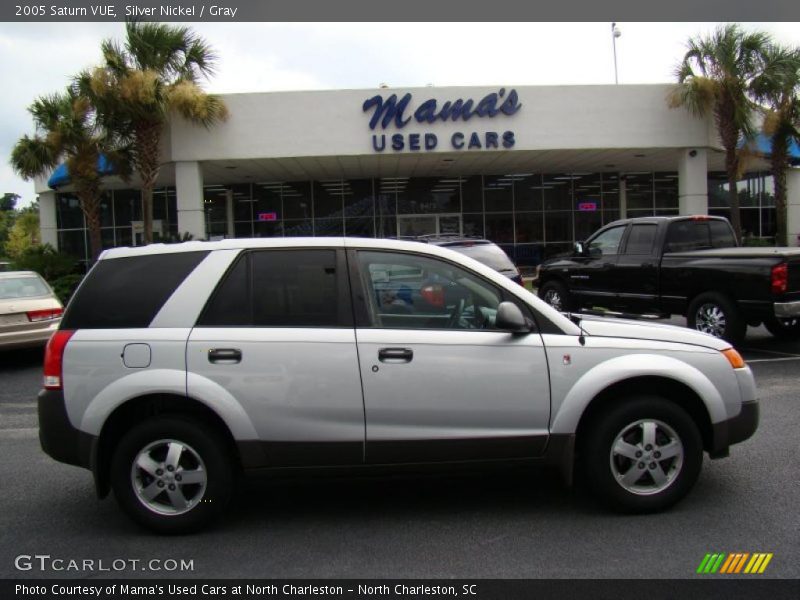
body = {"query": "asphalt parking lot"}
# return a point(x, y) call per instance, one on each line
point(511, 524)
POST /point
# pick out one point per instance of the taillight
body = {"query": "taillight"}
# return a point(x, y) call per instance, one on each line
point(54, 359)
point(44, 315)
point(780, 278)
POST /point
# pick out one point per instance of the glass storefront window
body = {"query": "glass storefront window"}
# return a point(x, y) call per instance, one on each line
point(358, 198)
point(296, 197)
point(665, 187)
point(529, 227)
point(500, 228)
point(528, 193)
point(329, 199)
point(68, 211)
point(427, 195)
point(472, 194)
point(498, 194)
point(639, 192)
point(558, 227)
point(472, 225)
point(127, 207)
point(557, 191)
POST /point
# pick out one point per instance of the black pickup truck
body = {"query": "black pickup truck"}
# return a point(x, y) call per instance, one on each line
point(689, 266)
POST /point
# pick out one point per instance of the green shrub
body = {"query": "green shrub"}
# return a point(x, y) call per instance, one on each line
point(65, 286)
point(45, 260)
point(758, 242)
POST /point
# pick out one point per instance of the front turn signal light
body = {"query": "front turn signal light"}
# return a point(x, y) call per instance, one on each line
point(736, 360)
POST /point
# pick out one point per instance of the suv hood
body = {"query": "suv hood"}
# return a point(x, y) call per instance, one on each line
point(613, 327)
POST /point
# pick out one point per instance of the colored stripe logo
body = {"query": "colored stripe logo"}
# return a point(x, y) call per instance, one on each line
point(737, 562)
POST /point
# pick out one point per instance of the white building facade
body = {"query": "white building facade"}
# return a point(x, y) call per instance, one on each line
point(532, 168)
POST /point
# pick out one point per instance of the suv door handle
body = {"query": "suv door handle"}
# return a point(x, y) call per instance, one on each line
point(225, 356)
point(400, 355)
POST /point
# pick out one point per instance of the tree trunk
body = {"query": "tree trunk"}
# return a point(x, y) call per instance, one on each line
point(732, 166)
point(778, 162)
point(146, 159)
point(89, 197)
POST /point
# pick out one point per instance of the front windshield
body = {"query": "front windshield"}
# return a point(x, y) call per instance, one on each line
point(28, 286)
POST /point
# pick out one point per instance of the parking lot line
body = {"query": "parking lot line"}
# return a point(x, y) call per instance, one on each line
point(761, 360)
point(758, 350)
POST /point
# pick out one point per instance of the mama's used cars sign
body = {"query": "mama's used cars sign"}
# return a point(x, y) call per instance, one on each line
point(393, 112)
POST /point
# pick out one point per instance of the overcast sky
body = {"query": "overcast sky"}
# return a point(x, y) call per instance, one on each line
point(39, 59)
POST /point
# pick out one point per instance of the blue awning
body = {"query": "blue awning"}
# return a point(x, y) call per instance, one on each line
point(61, 177)
point(762, 143)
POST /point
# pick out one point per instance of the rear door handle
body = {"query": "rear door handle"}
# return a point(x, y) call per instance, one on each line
point(395, 355)
point(225, 356)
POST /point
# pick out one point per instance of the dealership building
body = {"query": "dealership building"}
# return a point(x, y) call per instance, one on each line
point(531, 168)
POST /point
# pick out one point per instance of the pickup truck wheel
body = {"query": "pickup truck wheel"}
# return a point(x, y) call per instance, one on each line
point(784, 329)
point(557, 295)
point(643, 455)
point(717, 315)
point(172, 474)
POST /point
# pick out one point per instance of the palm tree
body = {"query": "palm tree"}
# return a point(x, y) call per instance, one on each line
point(66, 130)
point(140, 84)
point(715, 77)
point(777, 89)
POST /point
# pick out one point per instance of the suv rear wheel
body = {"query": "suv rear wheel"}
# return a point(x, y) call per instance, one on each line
point(172, 474)
point(642, 455)
point(783, 329)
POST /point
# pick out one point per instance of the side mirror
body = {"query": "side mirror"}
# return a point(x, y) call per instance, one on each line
point(510, 318)
point(579, 248)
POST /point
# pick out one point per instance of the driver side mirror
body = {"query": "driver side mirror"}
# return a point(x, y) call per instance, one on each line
point(580, 249)
point(510, 318)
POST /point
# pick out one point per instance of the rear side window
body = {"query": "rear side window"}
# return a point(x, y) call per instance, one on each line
point(489, 254)
point(280, 288)
point(641, 239)
point(126, 293)
point(683, 236)
point(721, 235)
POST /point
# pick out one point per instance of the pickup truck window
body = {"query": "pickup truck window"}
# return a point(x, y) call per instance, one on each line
point(607, 242)
point(641, 239)
point(721, 235)
point(685, 236)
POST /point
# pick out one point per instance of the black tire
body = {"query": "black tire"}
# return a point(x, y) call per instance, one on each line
point(606, 472)
point(783, 329)
point(558, 296)
point(718, 315)
point(206, 501)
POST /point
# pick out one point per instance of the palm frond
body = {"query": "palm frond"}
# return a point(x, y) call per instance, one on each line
point(33, 156)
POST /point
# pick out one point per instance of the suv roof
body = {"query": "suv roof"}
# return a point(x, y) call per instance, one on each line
point(673, 218)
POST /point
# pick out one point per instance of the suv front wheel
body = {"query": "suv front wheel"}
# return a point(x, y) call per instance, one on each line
point(642, 455)
point(172, 474)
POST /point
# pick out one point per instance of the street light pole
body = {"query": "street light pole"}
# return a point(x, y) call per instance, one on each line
point(615, 33)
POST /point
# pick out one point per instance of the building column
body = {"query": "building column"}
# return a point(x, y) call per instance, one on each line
point(793, 207)
point(48, 233)
point(229, 213)
point(693, 182)
point(189, 189)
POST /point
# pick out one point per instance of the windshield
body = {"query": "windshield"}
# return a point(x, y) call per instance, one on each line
point(26, 286)
point(489, 254)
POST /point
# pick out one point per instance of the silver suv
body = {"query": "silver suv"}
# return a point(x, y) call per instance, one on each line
point(177, 367)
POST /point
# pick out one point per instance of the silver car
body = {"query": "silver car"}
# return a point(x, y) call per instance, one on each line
point(29, 310)
point(177, 367)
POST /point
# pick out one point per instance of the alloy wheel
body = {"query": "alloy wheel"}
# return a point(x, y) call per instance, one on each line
point(646, 457)
point(169, 477)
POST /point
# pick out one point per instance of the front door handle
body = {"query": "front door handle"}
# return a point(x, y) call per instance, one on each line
point(395, 355)
point(225, 356)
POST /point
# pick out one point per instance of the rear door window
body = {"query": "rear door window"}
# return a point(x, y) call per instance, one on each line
point(641, 239)
point(281, 288)
point(721, 235)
